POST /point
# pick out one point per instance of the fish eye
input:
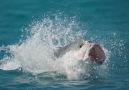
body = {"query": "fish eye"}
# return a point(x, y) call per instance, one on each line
point(80, 45)
point(90, 41)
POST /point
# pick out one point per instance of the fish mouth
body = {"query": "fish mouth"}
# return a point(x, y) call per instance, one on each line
point(97, 54)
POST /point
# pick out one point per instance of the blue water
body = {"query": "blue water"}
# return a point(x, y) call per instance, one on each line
point(102, 21)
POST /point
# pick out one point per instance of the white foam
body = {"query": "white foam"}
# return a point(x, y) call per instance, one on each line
point(35, 54)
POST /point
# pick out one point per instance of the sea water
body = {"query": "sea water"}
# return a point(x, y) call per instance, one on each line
point(30, 31)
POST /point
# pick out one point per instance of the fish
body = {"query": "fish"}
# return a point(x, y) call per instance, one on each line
point(82, 50)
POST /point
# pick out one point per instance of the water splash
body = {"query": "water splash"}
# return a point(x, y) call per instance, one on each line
point(34, 52)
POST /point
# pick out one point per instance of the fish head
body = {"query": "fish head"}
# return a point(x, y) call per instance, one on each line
point(87, 50)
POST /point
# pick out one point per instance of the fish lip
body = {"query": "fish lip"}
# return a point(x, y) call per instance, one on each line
point(97, 54)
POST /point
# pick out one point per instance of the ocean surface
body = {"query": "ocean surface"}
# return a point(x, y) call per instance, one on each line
point(30, 29)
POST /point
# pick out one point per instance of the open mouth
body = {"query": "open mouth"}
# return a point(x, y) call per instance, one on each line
point(97, 54)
